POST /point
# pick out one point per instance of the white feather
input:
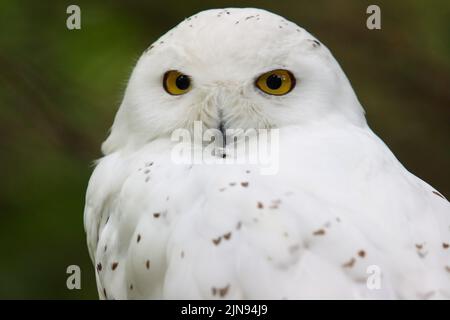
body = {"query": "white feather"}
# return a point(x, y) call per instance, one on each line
point(339, 203)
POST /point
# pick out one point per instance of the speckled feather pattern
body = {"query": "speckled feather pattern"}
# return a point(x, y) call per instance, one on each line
point(339, 203)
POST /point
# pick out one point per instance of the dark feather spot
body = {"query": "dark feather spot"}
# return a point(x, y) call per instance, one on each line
point(438, 194)
point(315, 43)
point(138, 238)
point(421, 253)
point(114, 265)
point(445, 245)
point(319, 232)
point(361, 253)
point(99, 267)
point(227, 236)
point(156, 215)
point(217, 241)
point(104, 293)
point(223, 291)
point(147, 264)
point(232, 184)
point(259, 205)
point(244, 184)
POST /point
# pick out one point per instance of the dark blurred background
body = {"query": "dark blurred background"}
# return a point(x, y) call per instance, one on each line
point(59, 91)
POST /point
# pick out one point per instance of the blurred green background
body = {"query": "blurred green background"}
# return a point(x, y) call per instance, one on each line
point(59, 91)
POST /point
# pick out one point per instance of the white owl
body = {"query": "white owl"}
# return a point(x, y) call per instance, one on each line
point(340, 218)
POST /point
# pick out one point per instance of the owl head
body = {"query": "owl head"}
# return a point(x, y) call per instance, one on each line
point(232, 68)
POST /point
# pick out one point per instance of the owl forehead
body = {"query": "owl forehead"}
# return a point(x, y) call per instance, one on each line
point(239, 37)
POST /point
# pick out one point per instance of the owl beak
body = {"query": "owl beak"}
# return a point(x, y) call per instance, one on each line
point(218, 96)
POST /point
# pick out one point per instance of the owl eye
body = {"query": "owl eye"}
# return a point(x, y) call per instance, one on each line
point(276, 82)
point(176, 83)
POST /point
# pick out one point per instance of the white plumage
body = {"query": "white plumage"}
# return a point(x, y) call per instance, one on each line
point(339, 203)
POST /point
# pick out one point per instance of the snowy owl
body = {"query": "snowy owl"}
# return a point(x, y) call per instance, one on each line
point(339, 217)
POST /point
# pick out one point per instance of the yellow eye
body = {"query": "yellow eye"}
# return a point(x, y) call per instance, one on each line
point(176, 83)
point(276, 82)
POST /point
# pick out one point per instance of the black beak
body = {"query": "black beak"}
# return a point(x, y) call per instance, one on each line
point(224, 137)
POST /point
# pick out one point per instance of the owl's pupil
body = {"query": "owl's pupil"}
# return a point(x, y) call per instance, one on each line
point(183, 82)
point(274, 81)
